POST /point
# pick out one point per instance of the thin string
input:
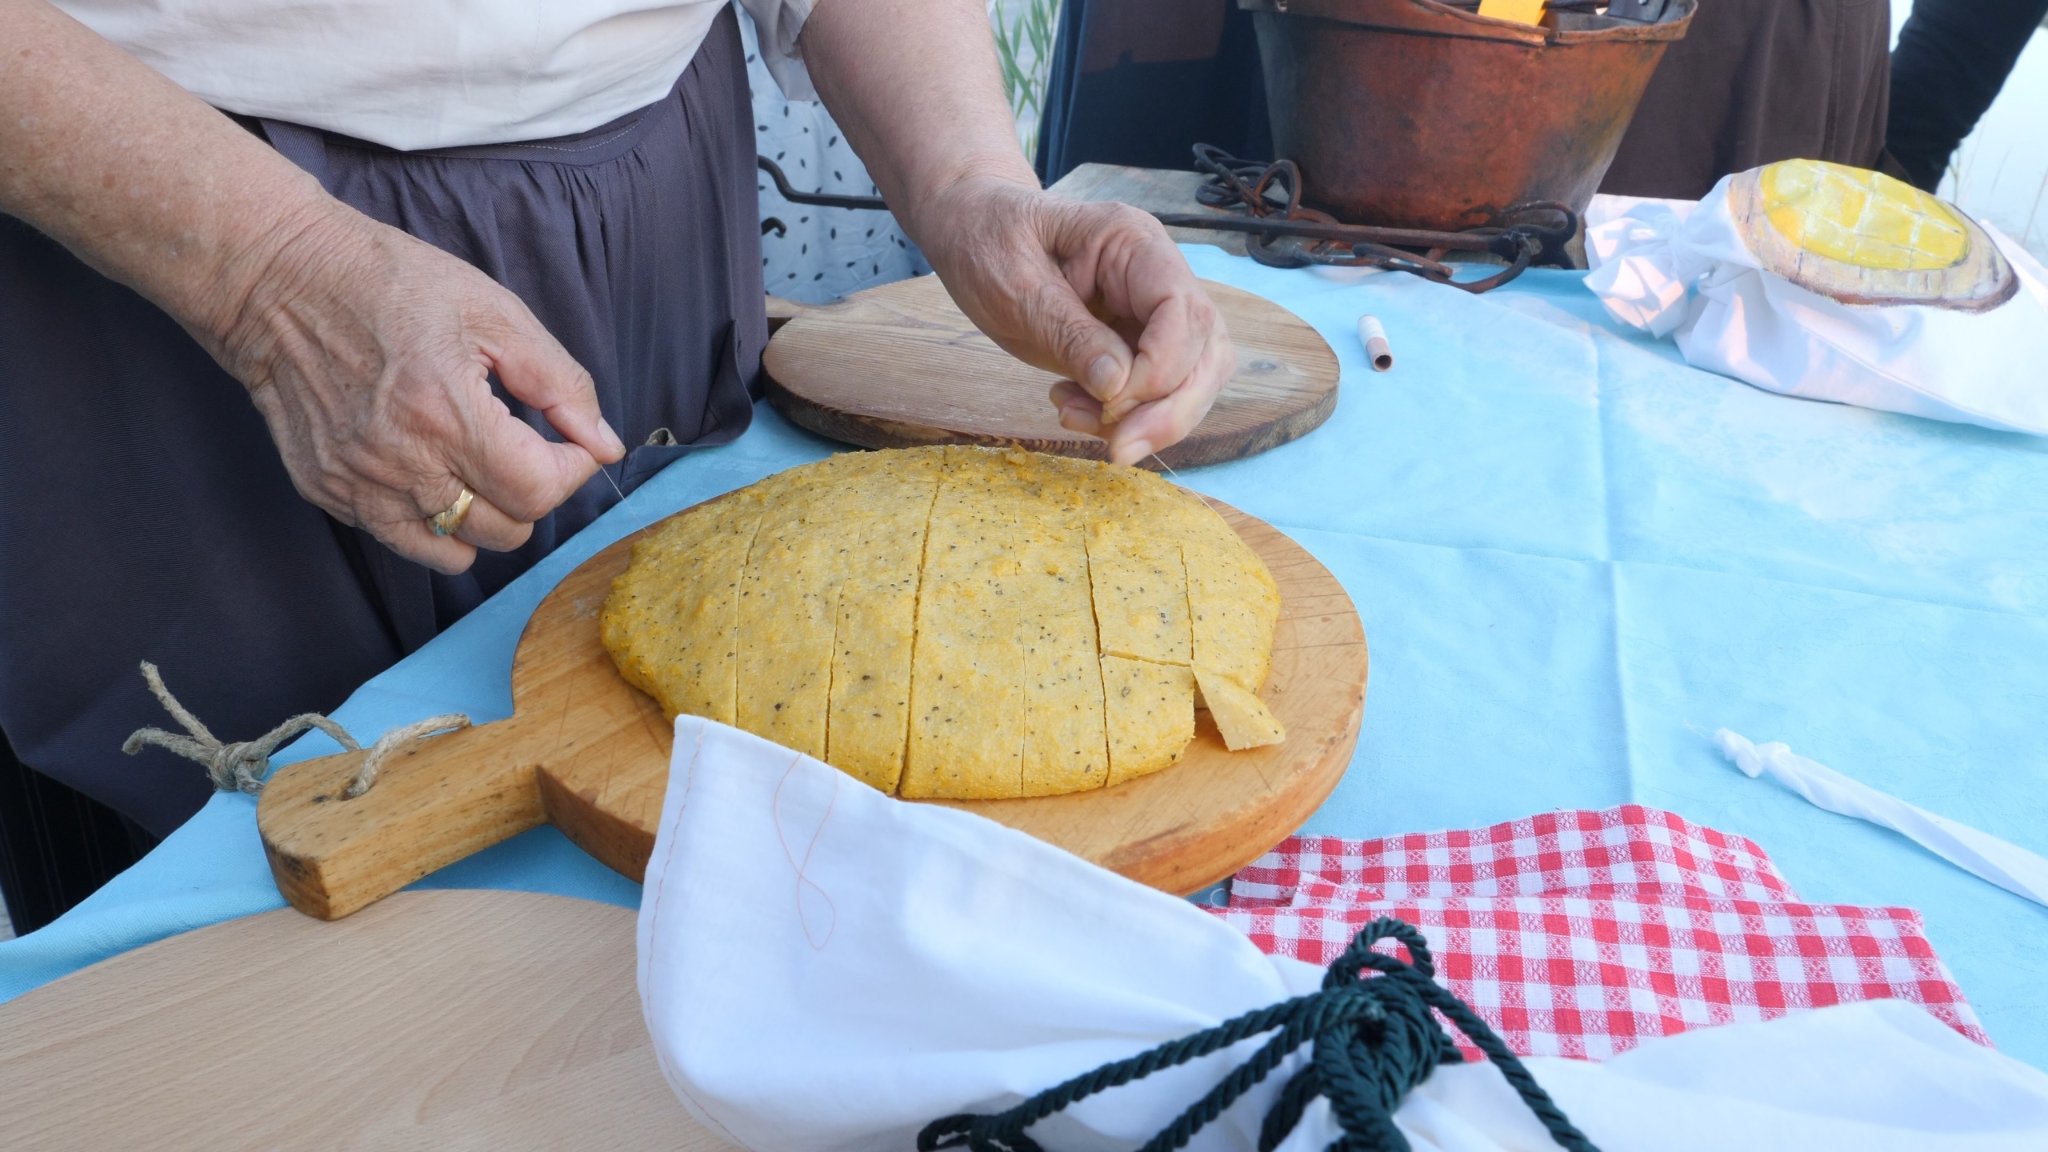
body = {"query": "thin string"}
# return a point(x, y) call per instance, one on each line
point(244, 766)
point(1182, 483)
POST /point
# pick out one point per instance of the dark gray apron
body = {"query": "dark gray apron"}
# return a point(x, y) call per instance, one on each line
point(144, 514)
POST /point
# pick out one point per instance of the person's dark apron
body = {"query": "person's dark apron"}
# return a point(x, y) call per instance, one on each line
point(145, 515)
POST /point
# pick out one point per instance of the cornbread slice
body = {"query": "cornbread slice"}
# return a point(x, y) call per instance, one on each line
point(1064, 745)
point(1140, 591)
point(672, 620)
point(966, 712)
point(788, 610)
point(1149, 714)
point(871, 647)
point(1233, 612)
point(1241, 717)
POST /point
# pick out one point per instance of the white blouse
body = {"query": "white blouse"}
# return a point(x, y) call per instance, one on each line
point(418, 74)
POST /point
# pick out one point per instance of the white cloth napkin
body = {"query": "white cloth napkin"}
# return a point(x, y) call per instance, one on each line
point(1981, 854)
point(1681, 270)
point(825, 967)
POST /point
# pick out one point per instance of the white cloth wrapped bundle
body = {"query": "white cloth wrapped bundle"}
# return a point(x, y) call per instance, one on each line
point(1683, 270)
point(825, 967)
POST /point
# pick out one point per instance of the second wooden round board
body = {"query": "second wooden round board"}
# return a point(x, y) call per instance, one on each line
point(900, 365)
point(435, 1021)
point(589, 753)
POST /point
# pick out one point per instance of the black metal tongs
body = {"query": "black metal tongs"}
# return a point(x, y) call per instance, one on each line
point(1282, 233)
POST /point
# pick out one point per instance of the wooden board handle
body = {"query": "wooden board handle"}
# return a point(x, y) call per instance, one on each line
point(435, 802)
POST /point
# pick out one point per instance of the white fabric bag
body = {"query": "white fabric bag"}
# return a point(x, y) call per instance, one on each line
point(1683, 270)
point(826, 967)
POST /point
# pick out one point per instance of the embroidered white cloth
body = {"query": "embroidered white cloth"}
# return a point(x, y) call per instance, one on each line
point(825, 967)
point(1681, 270)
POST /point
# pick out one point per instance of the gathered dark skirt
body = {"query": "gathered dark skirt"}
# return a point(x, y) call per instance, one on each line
point(145, 515)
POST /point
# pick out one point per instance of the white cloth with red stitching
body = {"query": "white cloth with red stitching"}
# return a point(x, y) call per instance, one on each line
point(825, 967)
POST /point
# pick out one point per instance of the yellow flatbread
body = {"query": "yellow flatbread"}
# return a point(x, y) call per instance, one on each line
point(955, 622)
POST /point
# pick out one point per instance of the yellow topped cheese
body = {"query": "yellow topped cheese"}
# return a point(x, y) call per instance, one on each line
point(1859, 217)
point(955, 622)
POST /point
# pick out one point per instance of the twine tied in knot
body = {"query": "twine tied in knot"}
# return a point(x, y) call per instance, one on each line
point(1373, 1041)
point(245, 765)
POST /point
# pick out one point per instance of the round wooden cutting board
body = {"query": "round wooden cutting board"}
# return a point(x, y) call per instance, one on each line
point(900, 365)
point(589, 753)
point(437, 1020)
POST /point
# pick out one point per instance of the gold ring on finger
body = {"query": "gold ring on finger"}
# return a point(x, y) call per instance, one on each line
point(448, 521)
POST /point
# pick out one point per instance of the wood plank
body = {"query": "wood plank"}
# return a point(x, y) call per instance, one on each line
point(901, 365)
point(437, 1020)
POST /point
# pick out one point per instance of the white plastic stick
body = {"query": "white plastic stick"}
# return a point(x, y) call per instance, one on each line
point(1981, 854)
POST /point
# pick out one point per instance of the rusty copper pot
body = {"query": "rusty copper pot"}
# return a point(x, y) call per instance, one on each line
point(1413, 114)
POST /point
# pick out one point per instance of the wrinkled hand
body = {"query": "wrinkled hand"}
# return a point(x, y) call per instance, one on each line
point(368, 353)
point(1093, 292)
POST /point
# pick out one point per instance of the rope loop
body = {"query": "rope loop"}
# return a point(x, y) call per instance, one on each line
point(1372, 1039)
point(244, 766)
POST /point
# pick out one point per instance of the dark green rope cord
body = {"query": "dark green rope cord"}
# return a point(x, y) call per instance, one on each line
point(1373, 1041)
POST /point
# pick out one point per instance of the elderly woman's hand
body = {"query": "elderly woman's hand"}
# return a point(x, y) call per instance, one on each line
point(1093, 292)
point(369, 354)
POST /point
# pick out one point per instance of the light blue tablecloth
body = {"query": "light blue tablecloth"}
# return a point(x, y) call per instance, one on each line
point(1574, 556)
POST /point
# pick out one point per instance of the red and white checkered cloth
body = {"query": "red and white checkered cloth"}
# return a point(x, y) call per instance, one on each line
point(1584, 933)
